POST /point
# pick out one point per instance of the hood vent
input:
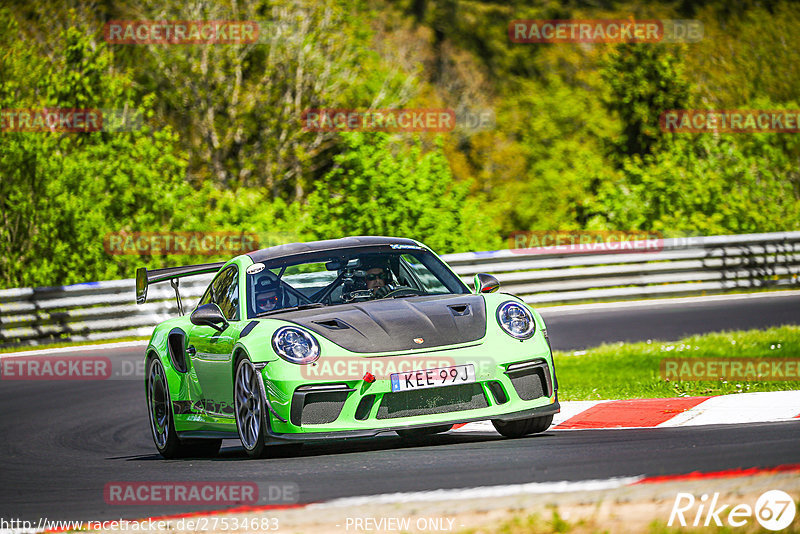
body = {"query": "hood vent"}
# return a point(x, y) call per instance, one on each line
point(387, 325)
point(333, 324)
point(460, 309)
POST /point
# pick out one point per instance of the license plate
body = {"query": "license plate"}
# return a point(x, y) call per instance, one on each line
point(433, 378)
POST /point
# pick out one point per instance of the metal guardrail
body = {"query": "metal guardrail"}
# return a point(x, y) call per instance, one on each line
point(680, 266)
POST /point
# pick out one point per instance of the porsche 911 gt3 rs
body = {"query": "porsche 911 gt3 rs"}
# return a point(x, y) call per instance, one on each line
point(340, 339)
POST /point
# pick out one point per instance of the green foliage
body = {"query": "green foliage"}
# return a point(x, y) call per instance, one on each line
point(62, 193)
point(644, 80)
point(576, 145)
point(633, 370)
point(747, 54)
point(708, 185)
point(238, 107)
point(690, 184)
point(381, 187)
point(563, 147)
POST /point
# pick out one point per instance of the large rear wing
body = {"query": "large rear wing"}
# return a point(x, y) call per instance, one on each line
point(144, 278)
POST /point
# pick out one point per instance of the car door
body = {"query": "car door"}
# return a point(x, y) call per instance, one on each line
point(210, 350)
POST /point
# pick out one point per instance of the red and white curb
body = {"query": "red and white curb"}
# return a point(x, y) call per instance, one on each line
point(738, 408)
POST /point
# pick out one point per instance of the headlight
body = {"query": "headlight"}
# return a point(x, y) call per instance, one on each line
point(516, 320)
point(295, 345)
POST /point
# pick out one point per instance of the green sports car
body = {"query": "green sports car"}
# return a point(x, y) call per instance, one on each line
point(341, 339)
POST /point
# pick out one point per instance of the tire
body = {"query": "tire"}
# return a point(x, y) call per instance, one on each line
point(523, 427)
point(249, 409)
point(162, 424)
point(413, 433)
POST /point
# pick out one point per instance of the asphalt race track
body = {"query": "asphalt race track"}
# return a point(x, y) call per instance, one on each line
point(62, 441)
point(573, 328)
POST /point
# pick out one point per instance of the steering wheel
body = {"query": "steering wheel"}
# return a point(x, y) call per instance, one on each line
point(400, 291)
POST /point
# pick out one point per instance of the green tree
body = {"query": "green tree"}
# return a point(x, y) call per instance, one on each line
point(747, 54)
point(61, 193)
point(379, 186)
point(238, 107)
point(709, 184)
point(644, 80)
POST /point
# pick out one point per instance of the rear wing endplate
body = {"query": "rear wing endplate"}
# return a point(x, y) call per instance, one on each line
point(144, 278)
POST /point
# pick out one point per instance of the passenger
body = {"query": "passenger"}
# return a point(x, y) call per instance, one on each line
point(267, 296)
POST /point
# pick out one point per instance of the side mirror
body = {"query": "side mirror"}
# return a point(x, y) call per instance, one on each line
point(209, 315)
point(486, 283)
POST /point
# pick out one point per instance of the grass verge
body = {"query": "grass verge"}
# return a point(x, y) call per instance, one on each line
point(633, 370)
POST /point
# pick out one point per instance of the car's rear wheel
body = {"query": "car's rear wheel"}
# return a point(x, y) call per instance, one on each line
point(523, 427)
point(249, 409)
point(412, 433)
point(162, 424)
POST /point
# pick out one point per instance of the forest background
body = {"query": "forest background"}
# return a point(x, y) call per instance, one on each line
point(219, 145)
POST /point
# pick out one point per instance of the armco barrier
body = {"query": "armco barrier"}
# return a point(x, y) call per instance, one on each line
point(682, 266)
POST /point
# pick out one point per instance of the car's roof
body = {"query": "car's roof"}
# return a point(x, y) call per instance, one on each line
point(280, 251)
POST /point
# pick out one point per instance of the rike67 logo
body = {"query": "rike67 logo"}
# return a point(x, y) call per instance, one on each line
point(774, 510)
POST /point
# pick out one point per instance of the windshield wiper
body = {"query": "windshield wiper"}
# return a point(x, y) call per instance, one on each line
point(293, 308)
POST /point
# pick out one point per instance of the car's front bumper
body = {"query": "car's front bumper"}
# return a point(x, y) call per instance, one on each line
point(541, 411)
point(521, 385)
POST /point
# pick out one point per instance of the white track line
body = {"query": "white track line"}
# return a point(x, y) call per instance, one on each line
point(484, 492)
point(74, 348)
point(575, 308)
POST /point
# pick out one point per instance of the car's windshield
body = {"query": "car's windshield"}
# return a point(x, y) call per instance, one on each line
point(347, 275)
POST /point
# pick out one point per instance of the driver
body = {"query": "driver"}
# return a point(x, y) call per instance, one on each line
point(267, 296)
point(379, 278)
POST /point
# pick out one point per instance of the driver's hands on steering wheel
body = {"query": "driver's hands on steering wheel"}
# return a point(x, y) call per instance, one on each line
point(382, 291)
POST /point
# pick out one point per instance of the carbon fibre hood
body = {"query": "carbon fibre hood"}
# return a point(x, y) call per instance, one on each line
point(393, 324)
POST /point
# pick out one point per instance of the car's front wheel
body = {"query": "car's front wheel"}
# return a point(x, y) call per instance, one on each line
point(249, 409)
point(162, 424)
point(523, 427)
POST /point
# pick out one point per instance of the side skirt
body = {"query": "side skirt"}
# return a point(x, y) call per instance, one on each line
point(207, 434)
